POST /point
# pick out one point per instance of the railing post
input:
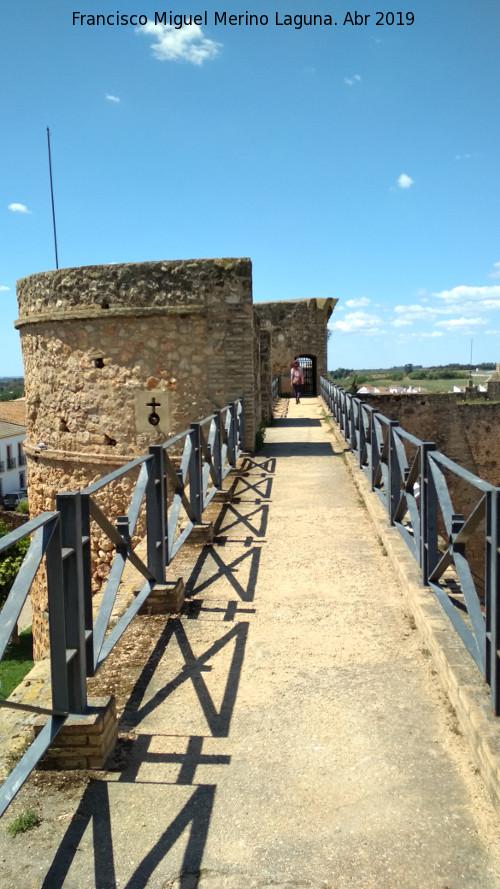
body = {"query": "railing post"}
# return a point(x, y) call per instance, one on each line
point(69, 507)
point(492, 634)
point(87, 582)
point(195, 473)
point(393, 471)
point(232, 437)
point(362, 435)
point(428, 513)
point(240, 414)
point(57, 622)
point(375, 448)
point(155, 515)
point(217, 451)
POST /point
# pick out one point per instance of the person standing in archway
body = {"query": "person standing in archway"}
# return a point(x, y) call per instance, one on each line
point(296, 379)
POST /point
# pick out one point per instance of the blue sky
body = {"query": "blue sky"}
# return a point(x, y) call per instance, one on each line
point(359, 162)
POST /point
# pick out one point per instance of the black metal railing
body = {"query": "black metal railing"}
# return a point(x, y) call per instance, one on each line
point(449, 518)
point(170, 488)
point(11, 463)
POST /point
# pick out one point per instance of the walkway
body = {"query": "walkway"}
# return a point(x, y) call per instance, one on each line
point(286, 730)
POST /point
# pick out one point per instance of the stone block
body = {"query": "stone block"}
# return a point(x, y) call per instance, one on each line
point(164, 598)
point(201, 535)
point(84, 741)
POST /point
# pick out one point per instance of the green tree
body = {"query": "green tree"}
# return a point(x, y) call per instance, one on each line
point(10, 562)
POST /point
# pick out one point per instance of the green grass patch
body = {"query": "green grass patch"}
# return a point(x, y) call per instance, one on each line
point(16, 662)
point(25, 821)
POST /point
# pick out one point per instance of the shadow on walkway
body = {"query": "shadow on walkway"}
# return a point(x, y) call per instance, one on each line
point(240, 528)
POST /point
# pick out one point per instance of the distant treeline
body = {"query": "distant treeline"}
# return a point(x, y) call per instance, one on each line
point(11, 387)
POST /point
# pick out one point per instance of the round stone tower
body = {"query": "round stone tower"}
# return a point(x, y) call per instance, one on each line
point(101, 344)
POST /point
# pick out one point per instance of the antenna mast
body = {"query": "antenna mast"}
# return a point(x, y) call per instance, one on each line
point(52, 198)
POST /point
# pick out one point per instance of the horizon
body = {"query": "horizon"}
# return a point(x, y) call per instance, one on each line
point(358, 162)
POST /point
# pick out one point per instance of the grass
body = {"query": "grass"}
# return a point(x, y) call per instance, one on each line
point(260, 436)
point(16, 663)
point(25, 821)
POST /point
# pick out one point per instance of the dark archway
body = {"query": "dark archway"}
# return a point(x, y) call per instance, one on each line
point(308, 365)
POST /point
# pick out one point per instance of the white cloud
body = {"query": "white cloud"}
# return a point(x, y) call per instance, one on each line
point(3, 287)
point(186, 44)
point(463, 292)
point(401, 322)
point(359, 322)
point(404, 181)
point(496, 270)
point(424, 335)
point(463, 301)
point(358, 303)
point(352, 80)
point(457, 324)
point(111, 98)
point(416, 311)
point(19, 208)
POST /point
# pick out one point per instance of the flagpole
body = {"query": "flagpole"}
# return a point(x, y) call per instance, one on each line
point(52, 198)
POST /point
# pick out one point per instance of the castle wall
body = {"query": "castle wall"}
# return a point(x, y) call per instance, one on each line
point(298, 327)
point(467, 432)
point(99, 343)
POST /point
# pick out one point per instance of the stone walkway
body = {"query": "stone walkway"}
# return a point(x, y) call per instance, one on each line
point(287, 730)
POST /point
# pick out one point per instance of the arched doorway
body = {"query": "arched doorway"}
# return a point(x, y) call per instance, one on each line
point(308, 365)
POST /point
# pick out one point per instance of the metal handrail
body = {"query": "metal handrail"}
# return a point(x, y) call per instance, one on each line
point(415, 481)
point(275, 391)
point(177, 478)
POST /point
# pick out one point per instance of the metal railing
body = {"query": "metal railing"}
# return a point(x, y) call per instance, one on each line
point(174, 483)
point(275, 389)
point(11, 463)
point(457, 549)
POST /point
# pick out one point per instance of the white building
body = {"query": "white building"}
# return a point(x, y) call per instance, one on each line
point(12, 457)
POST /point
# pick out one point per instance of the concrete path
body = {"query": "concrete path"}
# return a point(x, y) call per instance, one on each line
point(287, 729)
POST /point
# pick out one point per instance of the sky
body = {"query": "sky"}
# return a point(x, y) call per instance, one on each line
point(358, 161)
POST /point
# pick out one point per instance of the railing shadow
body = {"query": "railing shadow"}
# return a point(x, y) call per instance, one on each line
point(191, 822)
point(94, 810)
point(218, 721)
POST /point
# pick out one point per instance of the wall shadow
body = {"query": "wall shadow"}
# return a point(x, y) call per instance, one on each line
point(304, 422)
point(300, 449)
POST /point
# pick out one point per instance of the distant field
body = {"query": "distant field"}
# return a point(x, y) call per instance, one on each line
point(440, 385)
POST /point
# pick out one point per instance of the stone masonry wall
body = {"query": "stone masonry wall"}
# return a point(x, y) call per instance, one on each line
point(298, 327)
point(100, 342)
point(266, 396)
point(467, 432)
